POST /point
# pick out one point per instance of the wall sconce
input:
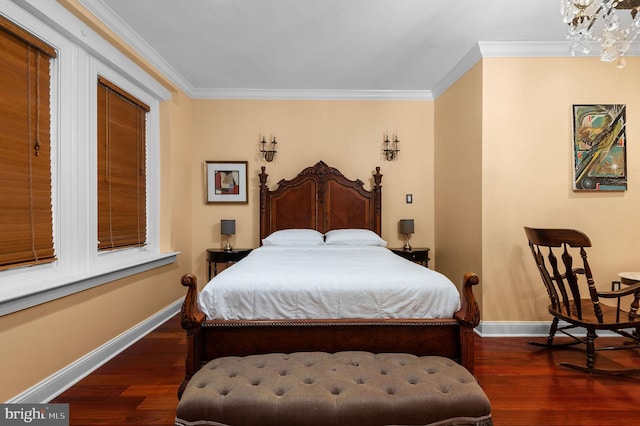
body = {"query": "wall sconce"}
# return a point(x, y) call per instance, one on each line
point(406, 228)
point(228, 228)
point(391, 148)
point(268, 154)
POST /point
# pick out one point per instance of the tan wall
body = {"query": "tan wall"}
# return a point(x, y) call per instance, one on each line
point(344, 134)
point(527, 175)
point(176, 193)
point(458, 178)
point(40, 341)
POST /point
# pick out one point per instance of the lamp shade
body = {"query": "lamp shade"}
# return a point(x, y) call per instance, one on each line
point(406, 226)
point(227, 227)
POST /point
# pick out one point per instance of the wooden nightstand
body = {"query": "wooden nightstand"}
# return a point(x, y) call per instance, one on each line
point(216, 256)
point(417, 254)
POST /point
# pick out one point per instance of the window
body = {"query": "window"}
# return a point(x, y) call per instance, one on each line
point(121, 168)
point(65, 96)
point(26, 222)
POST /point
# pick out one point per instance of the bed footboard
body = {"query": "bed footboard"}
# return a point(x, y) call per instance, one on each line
point(208, 339)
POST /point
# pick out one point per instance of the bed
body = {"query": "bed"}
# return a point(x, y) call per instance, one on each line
point(321, 200)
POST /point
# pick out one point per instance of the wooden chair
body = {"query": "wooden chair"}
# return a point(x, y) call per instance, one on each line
point(553, 251)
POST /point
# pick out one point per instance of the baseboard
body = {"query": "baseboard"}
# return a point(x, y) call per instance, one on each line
point(524, 329)
point(513, 328)
point(62, 380)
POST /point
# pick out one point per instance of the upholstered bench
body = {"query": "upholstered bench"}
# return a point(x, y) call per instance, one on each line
point(345, 388)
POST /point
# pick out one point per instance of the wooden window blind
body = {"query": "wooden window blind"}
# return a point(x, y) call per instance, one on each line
point(26, 222)
point(122, 214)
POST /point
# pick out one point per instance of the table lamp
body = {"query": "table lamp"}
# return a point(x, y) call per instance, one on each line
point(406, 228)
point(228, 228)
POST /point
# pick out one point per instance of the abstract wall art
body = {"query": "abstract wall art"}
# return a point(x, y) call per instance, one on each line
point(599, 148)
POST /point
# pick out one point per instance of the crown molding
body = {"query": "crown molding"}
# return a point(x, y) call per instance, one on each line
point(468, 60)
point(104, 13)
point(532, 49)
point(501, 49)
point(303, 94)
point(528, 49)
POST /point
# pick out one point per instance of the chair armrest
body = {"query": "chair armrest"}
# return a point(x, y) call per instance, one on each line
point(624, 291)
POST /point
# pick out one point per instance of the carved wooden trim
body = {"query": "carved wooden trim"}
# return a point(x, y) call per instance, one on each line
point(324, 323)
point(469, 313)
point(191, 315)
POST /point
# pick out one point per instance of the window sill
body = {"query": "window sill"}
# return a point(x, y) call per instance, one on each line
point(65, 286)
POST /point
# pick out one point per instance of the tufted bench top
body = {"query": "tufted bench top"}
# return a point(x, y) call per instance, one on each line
point(345, 388)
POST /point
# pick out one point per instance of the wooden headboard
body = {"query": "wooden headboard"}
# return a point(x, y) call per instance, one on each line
point(320, 198)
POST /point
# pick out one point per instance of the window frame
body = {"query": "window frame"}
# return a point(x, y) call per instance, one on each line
point(82, 55)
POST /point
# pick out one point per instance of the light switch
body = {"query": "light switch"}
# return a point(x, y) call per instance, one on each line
point(409, 198)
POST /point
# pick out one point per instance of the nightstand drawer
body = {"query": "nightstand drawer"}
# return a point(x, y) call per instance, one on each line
point(419, 255)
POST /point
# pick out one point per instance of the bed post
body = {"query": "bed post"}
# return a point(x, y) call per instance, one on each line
point(469, 318)
point(263, 203)
point(191, 320)
point(377, 201)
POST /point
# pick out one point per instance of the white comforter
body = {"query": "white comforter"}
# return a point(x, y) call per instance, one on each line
point(330, 282)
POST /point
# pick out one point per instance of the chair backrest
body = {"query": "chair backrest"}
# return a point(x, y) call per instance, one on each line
point(558, 271)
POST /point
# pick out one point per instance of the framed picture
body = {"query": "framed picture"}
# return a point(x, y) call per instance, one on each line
point(599, 148)
point(226, 181)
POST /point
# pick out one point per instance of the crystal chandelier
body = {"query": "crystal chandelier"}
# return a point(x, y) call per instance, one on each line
point(618, 20)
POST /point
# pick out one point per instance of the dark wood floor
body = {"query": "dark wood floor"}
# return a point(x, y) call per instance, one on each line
point(523, 382)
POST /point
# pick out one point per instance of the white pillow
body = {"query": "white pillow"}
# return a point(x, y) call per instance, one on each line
point(354, 237)
point(294, 237)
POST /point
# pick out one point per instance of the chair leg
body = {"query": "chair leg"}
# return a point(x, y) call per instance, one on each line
point(634, 307)
point(591, 348)
point(590, 367)
point(552, 332)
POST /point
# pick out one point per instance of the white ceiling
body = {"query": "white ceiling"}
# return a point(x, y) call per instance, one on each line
point(225, 46)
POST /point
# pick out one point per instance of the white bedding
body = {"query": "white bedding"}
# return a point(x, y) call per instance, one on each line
point(330, 282)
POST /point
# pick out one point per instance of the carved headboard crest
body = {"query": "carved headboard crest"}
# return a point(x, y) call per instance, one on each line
point(322, 198)
point(321, 168)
